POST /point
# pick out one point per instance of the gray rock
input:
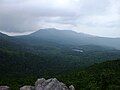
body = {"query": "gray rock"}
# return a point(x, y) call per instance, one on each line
point(27, 88)
point(71, 87)
point(4, 88)
point(39, 81)
point(42, 84)
point(39, 84)
point(51, 84)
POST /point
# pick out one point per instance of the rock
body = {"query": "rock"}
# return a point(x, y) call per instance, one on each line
point(39, 84)
point(51, 84)
point(27, 88)
point(71, 87)
point(4, 88)
point(42, 84)
point(40, 81)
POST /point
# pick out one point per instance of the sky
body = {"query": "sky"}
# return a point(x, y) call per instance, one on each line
point(95, 17)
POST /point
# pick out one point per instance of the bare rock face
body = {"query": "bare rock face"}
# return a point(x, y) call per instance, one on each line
point(4, 88)
point(51, 84)
point(27, 88)
point(42, 84)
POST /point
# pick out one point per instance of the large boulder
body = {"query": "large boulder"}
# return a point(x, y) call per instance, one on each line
point(51, 84)
point(42, 84)
point(4, 88)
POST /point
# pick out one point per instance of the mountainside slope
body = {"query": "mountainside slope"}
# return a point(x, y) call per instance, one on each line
point(68, 37)
point(43, 54)
point(33, 51)
point(103, 76)
point(16, 51)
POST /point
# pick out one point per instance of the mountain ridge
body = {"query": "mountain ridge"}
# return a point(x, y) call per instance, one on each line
point(66, 37)
point(72, 37)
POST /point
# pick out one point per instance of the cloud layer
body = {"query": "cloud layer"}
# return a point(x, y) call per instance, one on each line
point(97, 17)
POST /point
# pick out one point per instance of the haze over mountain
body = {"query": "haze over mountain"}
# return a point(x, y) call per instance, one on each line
point(72, 38)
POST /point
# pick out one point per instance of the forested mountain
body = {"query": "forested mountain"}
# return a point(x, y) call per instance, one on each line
point(54, 37)
point(100, 76)
point(70, 38)
point(50, 52)
point(66, 50)
point(103, 76)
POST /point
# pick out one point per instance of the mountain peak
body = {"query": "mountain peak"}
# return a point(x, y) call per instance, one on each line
point(53, 31)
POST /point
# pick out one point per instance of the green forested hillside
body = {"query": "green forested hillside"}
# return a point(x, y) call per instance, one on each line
point(103, 76)
point(15, 62)
point(18, 68)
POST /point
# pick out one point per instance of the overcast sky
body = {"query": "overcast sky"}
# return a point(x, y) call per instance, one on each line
point(96, 17)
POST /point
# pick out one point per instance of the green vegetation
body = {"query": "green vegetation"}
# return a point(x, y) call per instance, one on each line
point(24, 59)
point(103, 76)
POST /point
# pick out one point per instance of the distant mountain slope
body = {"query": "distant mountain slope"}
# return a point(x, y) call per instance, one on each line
point(3, 35)
point(60, 36)
point(51, 40)
point(4, 38)
point(70, 38)
point(110, 42)
point(53, 48)
point(6, 41)
point(48, 57)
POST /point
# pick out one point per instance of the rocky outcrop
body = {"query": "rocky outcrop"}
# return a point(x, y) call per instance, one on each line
point(50, 84)
point(42, 84)
point(4, 88)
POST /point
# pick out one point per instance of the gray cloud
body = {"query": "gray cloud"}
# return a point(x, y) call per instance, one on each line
point(98, 17)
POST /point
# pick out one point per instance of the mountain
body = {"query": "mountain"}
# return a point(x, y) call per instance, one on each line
point(110, 42)
point(48, 47)
point(50, 52)
point(68, 37)
point(65, 44)
point(5, 40)
point(3, 37)
point(64, 49)
point(60, 36)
